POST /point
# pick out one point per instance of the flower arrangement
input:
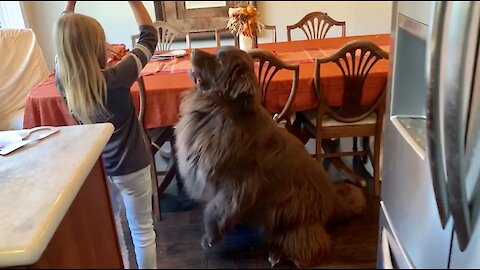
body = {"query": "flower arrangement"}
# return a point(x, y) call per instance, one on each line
point(244, 20)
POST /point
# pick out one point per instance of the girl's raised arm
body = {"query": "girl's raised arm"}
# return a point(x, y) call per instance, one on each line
point(140, 12)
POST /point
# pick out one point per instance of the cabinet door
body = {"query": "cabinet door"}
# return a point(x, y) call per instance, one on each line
point(87, 236)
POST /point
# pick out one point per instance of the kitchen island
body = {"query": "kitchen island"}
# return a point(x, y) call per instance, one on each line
point(55, 208)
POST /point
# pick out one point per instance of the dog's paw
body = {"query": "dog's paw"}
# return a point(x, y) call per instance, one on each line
point(275, 257)
point(206, 243)
point(211, 230)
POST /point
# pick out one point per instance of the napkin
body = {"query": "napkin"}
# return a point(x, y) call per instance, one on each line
point(14, 139)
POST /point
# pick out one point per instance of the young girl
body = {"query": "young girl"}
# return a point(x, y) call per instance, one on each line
point(96, 94)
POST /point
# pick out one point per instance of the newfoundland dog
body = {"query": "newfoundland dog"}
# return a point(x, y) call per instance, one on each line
point(247, 170)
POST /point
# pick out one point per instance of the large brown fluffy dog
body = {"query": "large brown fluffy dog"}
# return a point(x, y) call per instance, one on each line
point(232, 156)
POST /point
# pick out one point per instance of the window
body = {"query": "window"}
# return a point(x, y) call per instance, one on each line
point(11, 15)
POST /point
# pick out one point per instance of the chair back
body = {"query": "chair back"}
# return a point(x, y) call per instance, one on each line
point(315, 25)
point(270, 28)
point(269, 65)
point(223, 31)
point(143, 101)
point(355, 60)
point(167, 33)
point(273, 29)
point(148, 143)
point(204, 35)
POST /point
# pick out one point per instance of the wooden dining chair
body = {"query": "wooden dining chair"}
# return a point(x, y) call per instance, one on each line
point(222, 32)
point(315, 25)
point(167, 33)
point(269, 66)
point(200, 35)
point(154, 139)
point(352, 118)
point(225, 32)
point(272, 29)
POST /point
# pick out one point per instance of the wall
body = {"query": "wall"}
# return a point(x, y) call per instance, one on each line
point(11, 15)
point(116, 18)
point(363, 17)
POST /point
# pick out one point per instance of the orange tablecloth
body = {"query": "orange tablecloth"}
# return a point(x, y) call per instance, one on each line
point(45, 107)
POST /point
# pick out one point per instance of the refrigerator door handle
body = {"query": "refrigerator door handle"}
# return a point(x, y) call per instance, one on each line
point(462, 45)
point(435, 113)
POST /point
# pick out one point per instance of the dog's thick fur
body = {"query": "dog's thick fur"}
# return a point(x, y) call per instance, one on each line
point(234, 157)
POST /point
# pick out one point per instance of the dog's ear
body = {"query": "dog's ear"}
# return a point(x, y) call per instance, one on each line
point(244, 83)
point(237, 73)
point(245, 103)
point(204, 69)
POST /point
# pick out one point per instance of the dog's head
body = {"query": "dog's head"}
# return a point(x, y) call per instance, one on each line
point(229, 72)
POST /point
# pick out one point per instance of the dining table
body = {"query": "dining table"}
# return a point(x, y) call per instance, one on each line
point(167, 80)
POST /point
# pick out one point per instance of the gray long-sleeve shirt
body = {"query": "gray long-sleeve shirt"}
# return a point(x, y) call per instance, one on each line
point(126, 151)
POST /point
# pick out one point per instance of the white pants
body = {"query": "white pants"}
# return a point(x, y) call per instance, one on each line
point(136, 193)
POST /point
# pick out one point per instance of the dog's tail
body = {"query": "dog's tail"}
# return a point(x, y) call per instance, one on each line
point(349, 201)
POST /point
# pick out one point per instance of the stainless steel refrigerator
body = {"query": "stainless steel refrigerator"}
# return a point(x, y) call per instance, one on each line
point(431, 143)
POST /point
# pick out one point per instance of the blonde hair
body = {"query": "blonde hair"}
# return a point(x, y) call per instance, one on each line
point(80, 43)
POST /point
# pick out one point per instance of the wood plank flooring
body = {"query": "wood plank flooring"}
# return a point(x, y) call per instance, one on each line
point(179, 234)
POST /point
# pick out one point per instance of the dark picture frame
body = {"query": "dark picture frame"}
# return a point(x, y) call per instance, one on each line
point(197, 19)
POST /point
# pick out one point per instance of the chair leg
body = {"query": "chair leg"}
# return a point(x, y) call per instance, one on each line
point(167, 179)
point(155, 195)
point(172, 170)
point(318, 149)
point(332, 145)
point(356, 160)
point(366, 147)
point(354, 145)
point(157, 215)
point(175, 164)
point(298, 130)
point(340, 165)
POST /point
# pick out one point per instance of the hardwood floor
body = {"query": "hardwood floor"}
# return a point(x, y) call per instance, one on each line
point(179, 234)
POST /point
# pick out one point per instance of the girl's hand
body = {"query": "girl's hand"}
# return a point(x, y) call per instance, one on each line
point(70, 6)
point(141, 15)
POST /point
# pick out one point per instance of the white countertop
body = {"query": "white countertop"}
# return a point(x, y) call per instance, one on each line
point(37, 186)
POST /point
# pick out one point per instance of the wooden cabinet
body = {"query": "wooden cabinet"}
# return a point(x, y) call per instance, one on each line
point(86, 237)
point(55, 207)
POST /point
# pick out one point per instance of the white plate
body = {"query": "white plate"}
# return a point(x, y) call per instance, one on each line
point(170, 54)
